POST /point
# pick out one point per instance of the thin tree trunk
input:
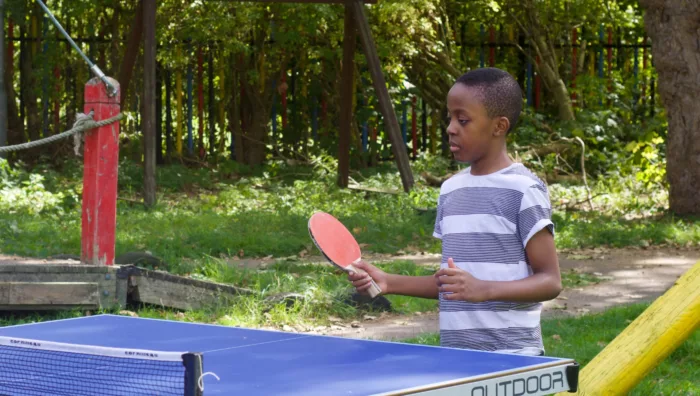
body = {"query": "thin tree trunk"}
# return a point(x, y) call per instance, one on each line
point(132, 49)
point(548, 68)
point(27, 69)
point(234, 114)
point(673, 29)
point(3, 86)
point(149, 102)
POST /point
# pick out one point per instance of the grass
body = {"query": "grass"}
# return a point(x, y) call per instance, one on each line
point(583, 338)
point(318, 294)
point(228, 211)
point(572, 278)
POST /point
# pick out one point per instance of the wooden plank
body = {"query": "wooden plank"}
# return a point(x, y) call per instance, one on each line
point(84, 294)
point(161, 288)
point(51, 277)
point(4, 294)
point(346, 96)
point(111, 283)
point(50, 268)
point(387, 109)
point(51, 307)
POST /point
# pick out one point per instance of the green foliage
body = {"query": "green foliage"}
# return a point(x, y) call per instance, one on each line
point(572, 278)
point(228, 211)
point(33, 193)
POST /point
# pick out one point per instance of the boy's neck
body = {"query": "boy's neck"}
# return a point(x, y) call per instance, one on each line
point(491, 163)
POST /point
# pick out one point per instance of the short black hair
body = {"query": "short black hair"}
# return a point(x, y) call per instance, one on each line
point(500, 92)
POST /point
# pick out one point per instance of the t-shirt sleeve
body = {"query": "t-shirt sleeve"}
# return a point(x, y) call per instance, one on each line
point(437, 232)
point(535, 213)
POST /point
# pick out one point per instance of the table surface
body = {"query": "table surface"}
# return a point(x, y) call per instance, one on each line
point(252, 361)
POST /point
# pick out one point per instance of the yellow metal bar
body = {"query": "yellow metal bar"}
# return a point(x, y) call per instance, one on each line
point(647, 341)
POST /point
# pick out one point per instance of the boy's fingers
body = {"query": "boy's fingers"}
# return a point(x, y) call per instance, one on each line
point(354, 275)
point(449, 288)
point(361, 283)
point(448, 272)
point(362, 264)
point(450, 296)
point(363, 287)
point(449, 279)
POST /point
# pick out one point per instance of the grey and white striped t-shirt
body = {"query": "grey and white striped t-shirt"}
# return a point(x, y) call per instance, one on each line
point(484, 223)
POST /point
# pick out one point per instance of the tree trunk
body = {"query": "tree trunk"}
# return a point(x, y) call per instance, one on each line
point(149, 102)
point(3, 90)
point(126, 69)
point(548, 68)
point(32, 110)
point(234, 114)
point(255, 148)
point(529, 22)
point(673, 29)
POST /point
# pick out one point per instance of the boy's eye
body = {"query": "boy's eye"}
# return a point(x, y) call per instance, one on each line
point(461, 121)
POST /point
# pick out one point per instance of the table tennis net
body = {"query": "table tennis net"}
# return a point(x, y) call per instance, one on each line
point(34, 367)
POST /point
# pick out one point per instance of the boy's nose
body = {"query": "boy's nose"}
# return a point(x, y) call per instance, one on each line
point(451, 130)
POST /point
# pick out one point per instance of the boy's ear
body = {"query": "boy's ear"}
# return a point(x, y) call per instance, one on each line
point(502, 126)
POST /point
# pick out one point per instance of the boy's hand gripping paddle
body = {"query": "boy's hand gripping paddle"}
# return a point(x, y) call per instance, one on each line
point(337, 245)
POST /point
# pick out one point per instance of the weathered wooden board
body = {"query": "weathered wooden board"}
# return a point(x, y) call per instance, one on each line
point(80, 286)
point(161, 288)
point(60, 286)
point(84, 294)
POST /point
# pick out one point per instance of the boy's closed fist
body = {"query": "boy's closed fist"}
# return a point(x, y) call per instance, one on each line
point(458, 284)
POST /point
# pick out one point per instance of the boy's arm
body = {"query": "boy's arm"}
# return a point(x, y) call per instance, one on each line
point(544, 284)
point(415, 286)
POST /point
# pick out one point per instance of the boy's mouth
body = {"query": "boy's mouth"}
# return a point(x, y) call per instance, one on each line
point(454, 147)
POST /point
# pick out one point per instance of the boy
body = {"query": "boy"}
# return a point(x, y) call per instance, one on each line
point(499, 261)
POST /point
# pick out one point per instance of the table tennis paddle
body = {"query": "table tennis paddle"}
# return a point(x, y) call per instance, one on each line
point(337, 245)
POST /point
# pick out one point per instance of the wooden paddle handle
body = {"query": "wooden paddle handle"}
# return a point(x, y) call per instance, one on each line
point(374, 289)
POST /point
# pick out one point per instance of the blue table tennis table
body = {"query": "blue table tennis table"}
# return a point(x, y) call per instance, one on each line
point(122, 355)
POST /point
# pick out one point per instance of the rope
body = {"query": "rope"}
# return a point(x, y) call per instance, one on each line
point(111, 89)
point(201, 377)
point(84, 122)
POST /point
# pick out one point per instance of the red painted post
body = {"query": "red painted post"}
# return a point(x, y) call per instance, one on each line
point(101, 157)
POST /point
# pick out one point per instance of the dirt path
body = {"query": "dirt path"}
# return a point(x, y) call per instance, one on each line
point(631, 275)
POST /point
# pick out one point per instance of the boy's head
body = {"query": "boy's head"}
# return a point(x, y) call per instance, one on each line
point(484, 105)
